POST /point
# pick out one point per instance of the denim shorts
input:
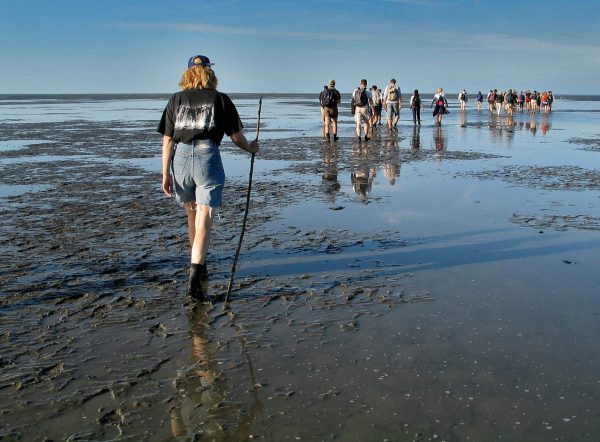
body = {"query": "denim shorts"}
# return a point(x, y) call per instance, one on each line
point(198, 174)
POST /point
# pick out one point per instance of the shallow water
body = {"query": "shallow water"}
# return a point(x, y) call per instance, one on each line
point(438, 284)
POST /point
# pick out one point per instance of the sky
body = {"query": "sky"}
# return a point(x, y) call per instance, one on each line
point(121, 46)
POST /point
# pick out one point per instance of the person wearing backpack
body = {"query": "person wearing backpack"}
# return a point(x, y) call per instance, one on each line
point(361, 109)
point(392, 100)
point(479, 100)
point(441, 105)
point(462, 98)
point(491, 99)
point(320, 102)
point(377, 106)
point(498, 100)
point(329, 98)
point(415, 106)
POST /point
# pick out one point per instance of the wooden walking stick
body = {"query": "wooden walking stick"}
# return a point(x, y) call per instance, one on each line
point(239, 246)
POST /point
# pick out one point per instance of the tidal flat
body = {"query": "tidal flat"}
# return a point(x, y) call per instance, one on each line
point(438, 283)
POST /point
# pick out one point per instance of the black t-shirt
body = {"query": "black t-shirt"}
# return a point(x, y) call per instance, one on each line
point(199, 114)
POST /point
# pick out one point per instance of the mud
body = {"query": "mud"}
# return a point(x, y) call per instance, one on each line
point(589, 144)
point(333, 332)
point(549, 177)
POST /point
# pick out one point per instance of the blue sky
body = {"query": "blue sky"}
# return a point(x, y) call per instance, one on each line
point(82, 46)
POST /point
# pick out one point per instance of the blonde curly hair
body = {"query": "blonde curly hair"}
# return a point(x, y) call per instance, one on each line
point(198, 77)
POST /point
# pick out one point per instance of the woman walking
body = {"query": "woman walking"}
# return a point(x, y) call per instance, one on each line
point(193, 125)
point(440, 105)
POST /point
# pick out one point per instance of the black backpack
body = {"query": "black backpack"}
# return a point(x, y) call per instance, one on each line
point(327, 98)
point(362, 100)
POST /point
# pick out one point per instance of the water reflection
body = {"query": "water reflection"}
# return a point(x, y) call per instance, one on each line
point(363, 173)
point(329, 181)
point(415, 140)
point(390, 155)
point(440, 140)
point(462, 119)
point(201, 406)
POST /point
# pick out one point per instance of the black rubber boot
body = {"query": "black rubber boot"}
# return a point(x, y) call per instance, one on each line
point(197, 282)
point(335, 137)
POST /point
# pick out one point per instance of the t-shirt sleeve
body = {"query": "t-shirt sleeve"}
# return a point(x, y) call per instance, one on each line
point(231, 119)
point(166, 126)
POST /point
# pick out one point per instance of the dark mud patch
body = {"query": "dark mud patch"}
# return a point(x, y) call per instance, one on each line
point(557, 222)
point(550, 177)
point(590, 144)
point(95, 321)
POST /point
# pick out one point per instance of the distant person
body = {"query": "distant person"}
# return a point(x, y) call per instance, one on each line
point(462, 99)
point(544, 101)
point(491, 99)
point(392, 100)
point(193, 125)
point(320, 101)
point(380, 106)
point(479, 100)
point(441, 105)
point(550, 100)
point(330, 98)
point(509, 101)
point(528, 100)
point(377, 101)
point(499, 100)
point(415, 106)
point(361, 109)
point(520, 101)
point(534, 102)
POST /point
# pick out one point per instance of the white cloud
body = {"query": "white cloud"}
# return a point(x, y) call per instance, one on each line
point(234, 30)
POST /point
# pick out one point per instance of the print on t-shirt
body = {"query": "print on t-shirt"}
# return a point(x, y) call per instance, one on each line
point(199, 118)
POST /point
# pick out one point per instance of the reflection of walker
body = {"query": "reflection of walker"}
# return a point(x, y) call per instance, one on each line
point(439, 139)
point(200, 404)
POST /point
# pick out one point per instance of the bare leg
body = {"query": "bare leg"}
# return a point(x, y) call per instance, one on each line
point(199, 228)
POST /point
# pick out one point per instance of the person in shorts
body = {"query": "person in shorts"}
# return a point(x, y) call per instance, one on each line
point(377, 101)
point(392, 100)
point(462, 99)
point(330, 98)
point(361, 109)
point(193, 124)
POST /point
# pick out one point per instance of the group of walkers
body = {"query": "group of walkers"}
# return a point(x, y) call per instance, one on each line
point(511, 101)
point(367, 105)
point(197, 118)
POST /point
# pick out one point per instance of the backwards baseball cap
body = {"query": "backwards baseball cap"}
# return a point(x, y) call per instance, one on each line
point(199, 60)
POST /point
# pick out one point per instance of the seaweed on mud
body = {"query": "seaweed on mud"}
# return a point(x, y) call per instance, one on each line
point(546, 177)
point(557, 222)
point(590, 144)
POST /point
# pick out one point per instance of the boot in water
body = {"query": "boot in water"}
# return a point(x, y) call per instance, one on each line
point(197, 282)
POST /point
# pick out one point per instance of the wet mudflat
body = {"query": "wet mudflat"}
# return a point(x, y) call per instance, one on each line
point(437, 284)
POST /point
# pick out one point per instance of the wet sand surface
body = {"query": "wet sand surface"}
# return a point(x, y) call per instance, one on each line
point(437, 284)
